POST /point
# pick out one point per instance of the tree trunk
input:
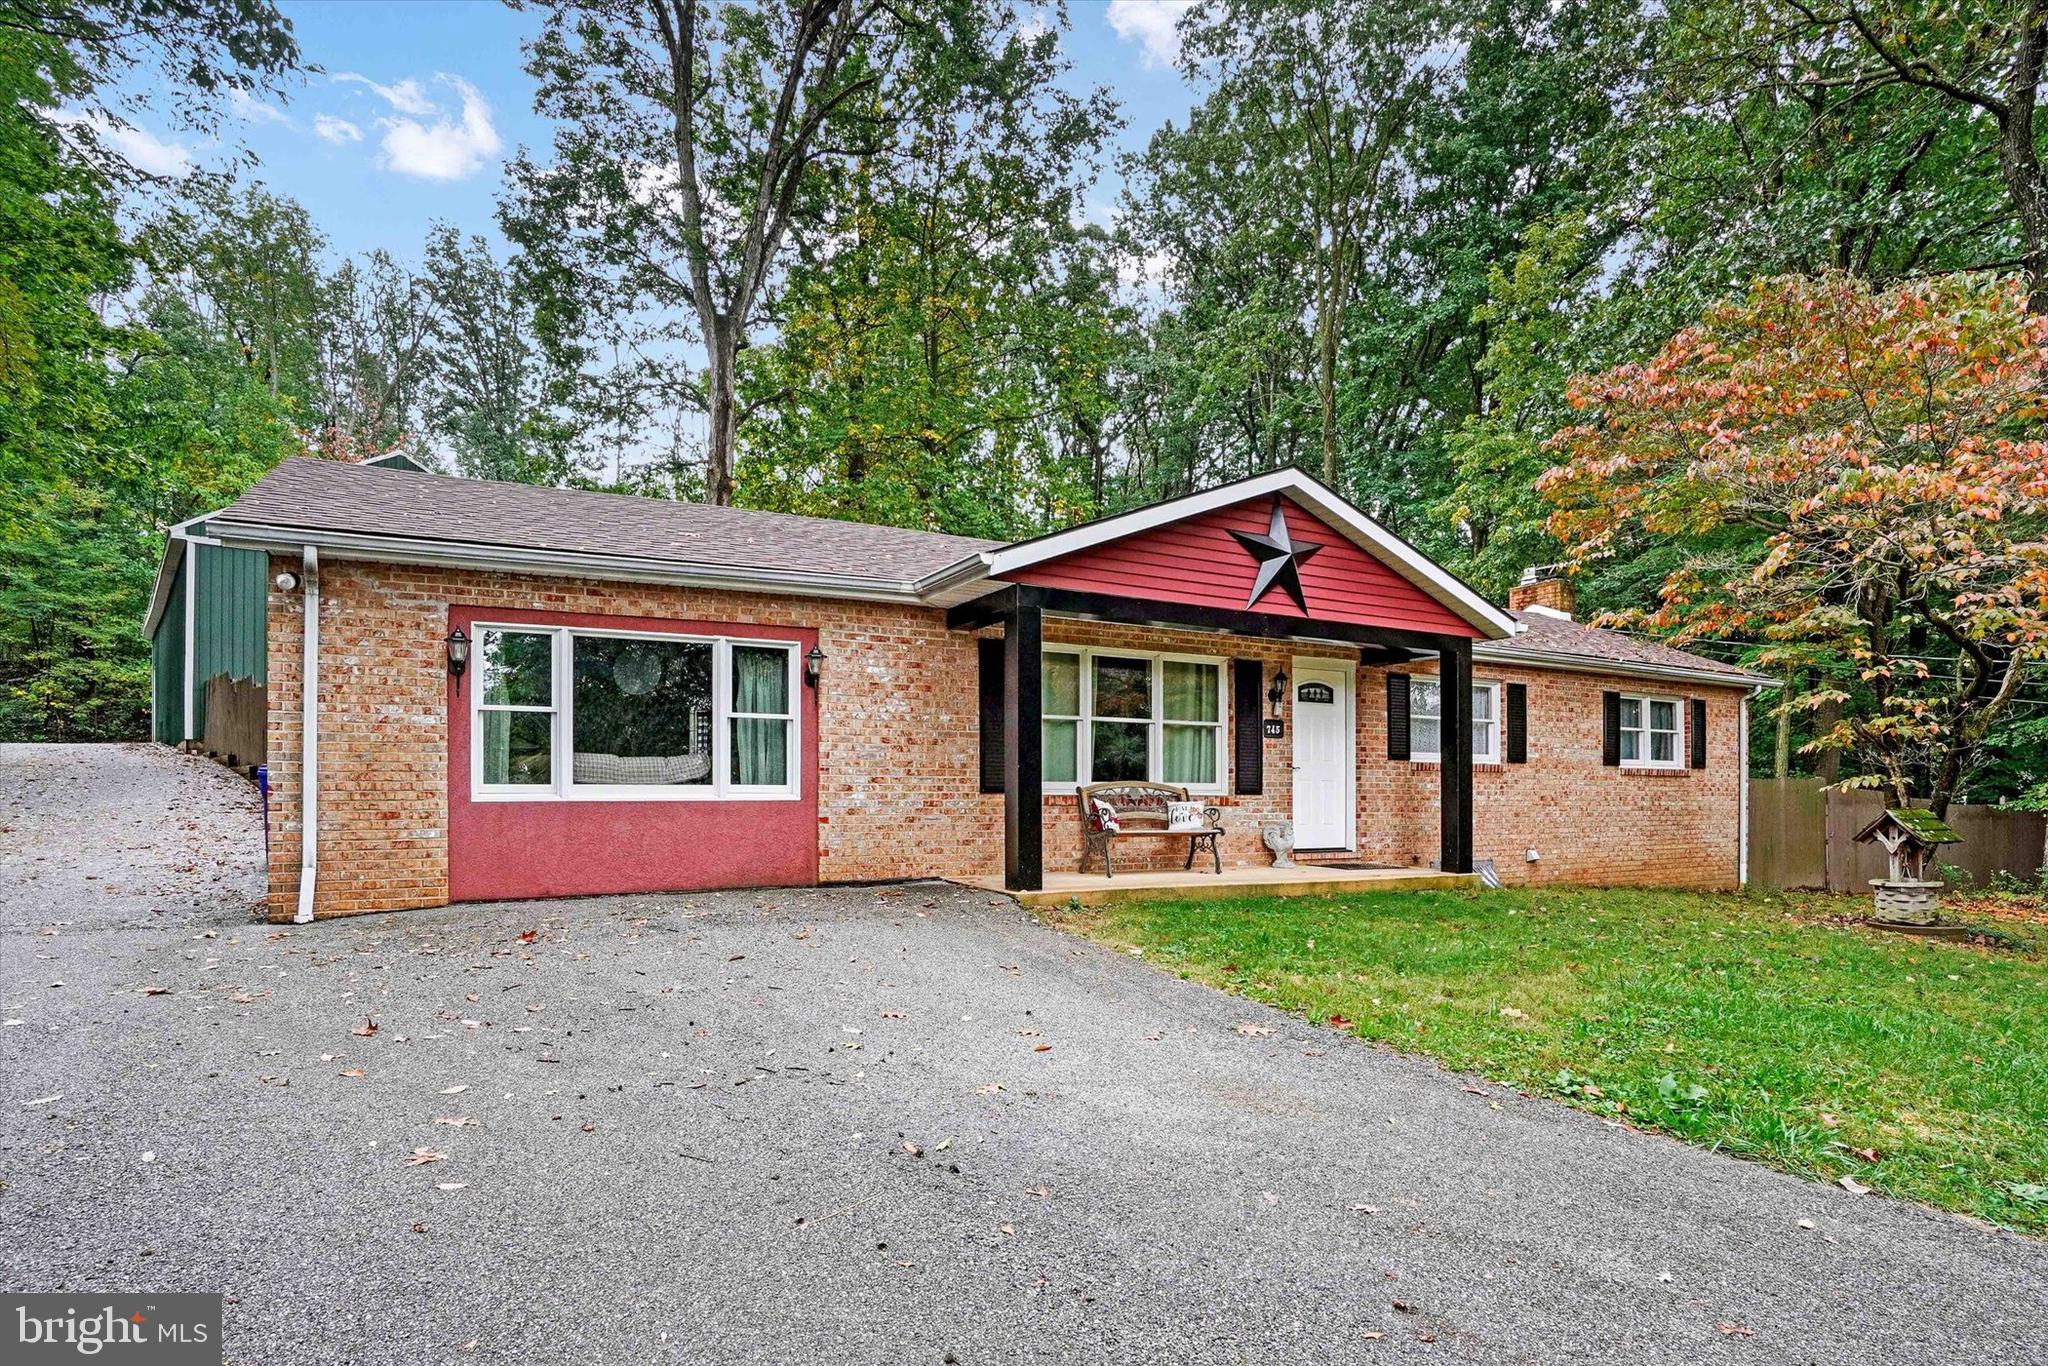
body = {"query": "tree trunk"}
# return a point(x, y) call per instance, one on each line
point(1326, 388)
point(1829, 762)
point(1781, 755)
point(2018, 160)
point(723, 406)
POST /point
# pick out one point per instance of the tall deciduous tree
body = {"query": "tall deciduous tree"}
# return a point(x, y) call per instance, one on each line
point(690, 135)
point(496, 398)
point(1882, 450)
point(938, 351)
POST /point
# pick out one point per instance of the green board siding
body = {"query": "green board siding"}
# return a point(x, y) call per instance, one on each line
point(228, 616)
point(167, 660)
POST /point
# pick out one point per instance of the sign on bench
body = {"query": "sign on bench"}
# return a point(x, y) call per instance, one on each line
point(1134, 810)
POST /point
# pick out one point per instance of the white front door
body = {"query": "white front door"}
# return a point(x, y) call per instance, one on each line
point(1323, 751)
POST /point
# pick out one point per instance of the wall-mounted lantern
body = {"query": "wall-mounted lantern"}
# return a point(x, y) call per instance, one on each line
point(458, 656)
point(814, 666)
point(1278, 692)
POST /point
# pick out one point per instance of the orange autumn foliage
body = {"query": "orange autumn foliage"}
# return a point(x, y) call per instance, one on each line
point(1861, 467)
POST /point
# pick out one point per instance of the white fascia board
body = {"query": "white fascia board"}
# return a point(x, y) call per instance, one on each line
point(1404, 559)
point(175, 541)
point(566, 564)
point(1585, 664)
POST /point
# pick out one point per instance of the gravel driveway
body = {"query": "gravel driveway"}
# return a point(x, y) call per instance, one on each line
point(902, 1124)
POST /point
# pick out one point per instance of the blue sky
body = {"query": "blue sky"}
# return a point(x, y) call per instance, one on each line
point(420, 103)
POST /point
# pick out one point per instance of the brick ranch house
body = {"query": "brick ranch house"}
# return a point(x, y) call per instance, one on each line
point(663, 696)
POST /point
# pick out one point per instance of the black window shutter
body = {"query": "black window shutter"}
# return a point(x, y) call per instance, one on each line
point(1518, 723)
point(1699, 732)
point(1397, 716)
point(991, 714)
point(1250, 757)
point(1610, 729)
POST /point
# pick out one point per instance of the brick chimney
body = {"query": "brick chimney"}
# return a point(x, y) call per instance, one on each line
point(1545, 587)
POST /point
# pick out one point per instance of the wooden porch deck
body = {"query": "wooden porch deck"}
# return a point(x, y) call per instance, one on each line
point(1093, 889)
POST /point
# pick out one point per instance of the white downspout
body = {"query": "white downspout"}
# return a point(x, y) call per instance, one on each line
point(1742, 800)
point(191, 634)
point(309, 740)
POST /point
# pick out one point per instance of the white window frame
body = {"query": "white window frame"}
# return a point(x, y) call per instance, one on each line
point(1678, 723)
point(564, 787)
point(1490, 755)
point(1155, 756)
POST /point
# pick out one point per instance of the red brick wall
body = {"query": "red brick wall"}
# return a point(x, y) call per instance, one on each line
point(1588, 823)
point(898, 748)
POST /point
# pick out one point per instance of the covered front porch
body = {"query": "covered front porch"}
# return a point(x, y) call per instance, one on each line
point(1289, 743)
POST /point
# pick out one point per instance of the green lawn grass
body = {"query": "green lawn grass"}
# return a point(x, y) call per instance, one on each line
point(1743, 1023)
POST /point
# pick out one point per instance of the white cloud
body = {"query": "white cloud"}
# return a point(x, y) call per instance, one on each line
point(336, 130)
point(252, 110)
point(406, 96)
point(142, 149)
point(446, 149)
point(1150, 24)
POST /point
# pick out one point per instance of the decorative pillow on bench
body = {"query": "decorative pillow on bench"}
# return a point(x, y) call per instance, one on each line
point(1103, 817)
point(1185, 816)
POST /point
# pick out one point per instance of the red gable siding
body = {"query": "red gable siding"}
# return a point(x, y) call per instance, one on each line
point(1198, 561)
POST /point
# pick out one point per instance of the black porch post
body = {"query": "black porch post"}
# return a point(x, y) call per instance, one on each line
point(1023, 746)
point(1454, 772)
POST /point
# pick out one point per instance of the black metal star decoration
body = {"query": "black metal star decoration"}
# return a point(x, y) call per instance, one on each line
point(1280, 559)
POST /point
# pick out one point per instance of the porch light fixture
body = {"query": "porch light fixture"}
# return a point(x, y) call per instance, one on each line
point(458, 655)
point(1278, 692)
point(814, 666)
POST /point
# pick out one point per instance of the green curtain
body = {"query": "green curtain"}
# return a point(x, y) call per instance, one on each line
point(1190, 691)
point(1060, 684)
point(760, 748)
point(1057, 763)
point(1190, 754)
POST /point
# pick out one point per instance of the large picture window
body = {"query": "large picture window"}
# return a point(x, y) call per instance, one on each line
point(1426, 721)
point(1111, 716)
point(631, 715)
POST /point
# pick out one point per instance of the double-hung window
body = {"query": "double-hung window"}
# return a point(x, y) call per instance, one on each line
point(1426, 721)
point(632, 715)
point(1650, 732)
point(1117, 716)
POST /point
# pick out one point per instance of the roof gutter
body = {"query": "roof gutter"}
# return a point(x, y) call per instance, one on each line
point(1585, 664)
point(574, 564)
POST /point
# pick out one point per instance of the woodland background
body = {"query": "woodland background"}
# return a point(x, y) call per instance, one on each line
point(853, 278)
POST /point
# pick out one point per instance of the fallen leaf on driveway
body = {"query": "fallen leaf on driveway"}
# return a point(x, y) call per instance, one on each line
point(1042, 1048)
point(1853, 1186)
point(458, 1121)
point(1043, 1192)
point(1734, 1330)
point(366, 1029)
point(453, 1090)
point(989, 1089)
point(44, 1100)
point(1339, 1022)
point(1365, 1209)
point(528, 936)
point(352, 1072)
point(1806, 1223)
point(1253, 1031)
point(1007, 1230)
point(1372, 1335)
point(894, 1015)
point(154, 991)
point(422, 1156)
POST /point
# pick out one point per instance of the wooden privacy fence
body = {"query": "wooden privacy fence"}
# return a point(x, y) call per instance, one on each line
point(236, 721)
point(1803, 836)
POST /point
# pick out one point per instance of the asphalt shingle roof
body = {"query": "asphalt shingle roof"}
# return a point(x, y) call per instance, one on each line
point(1543, 634)
point(327, 495)
point(307, 494)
